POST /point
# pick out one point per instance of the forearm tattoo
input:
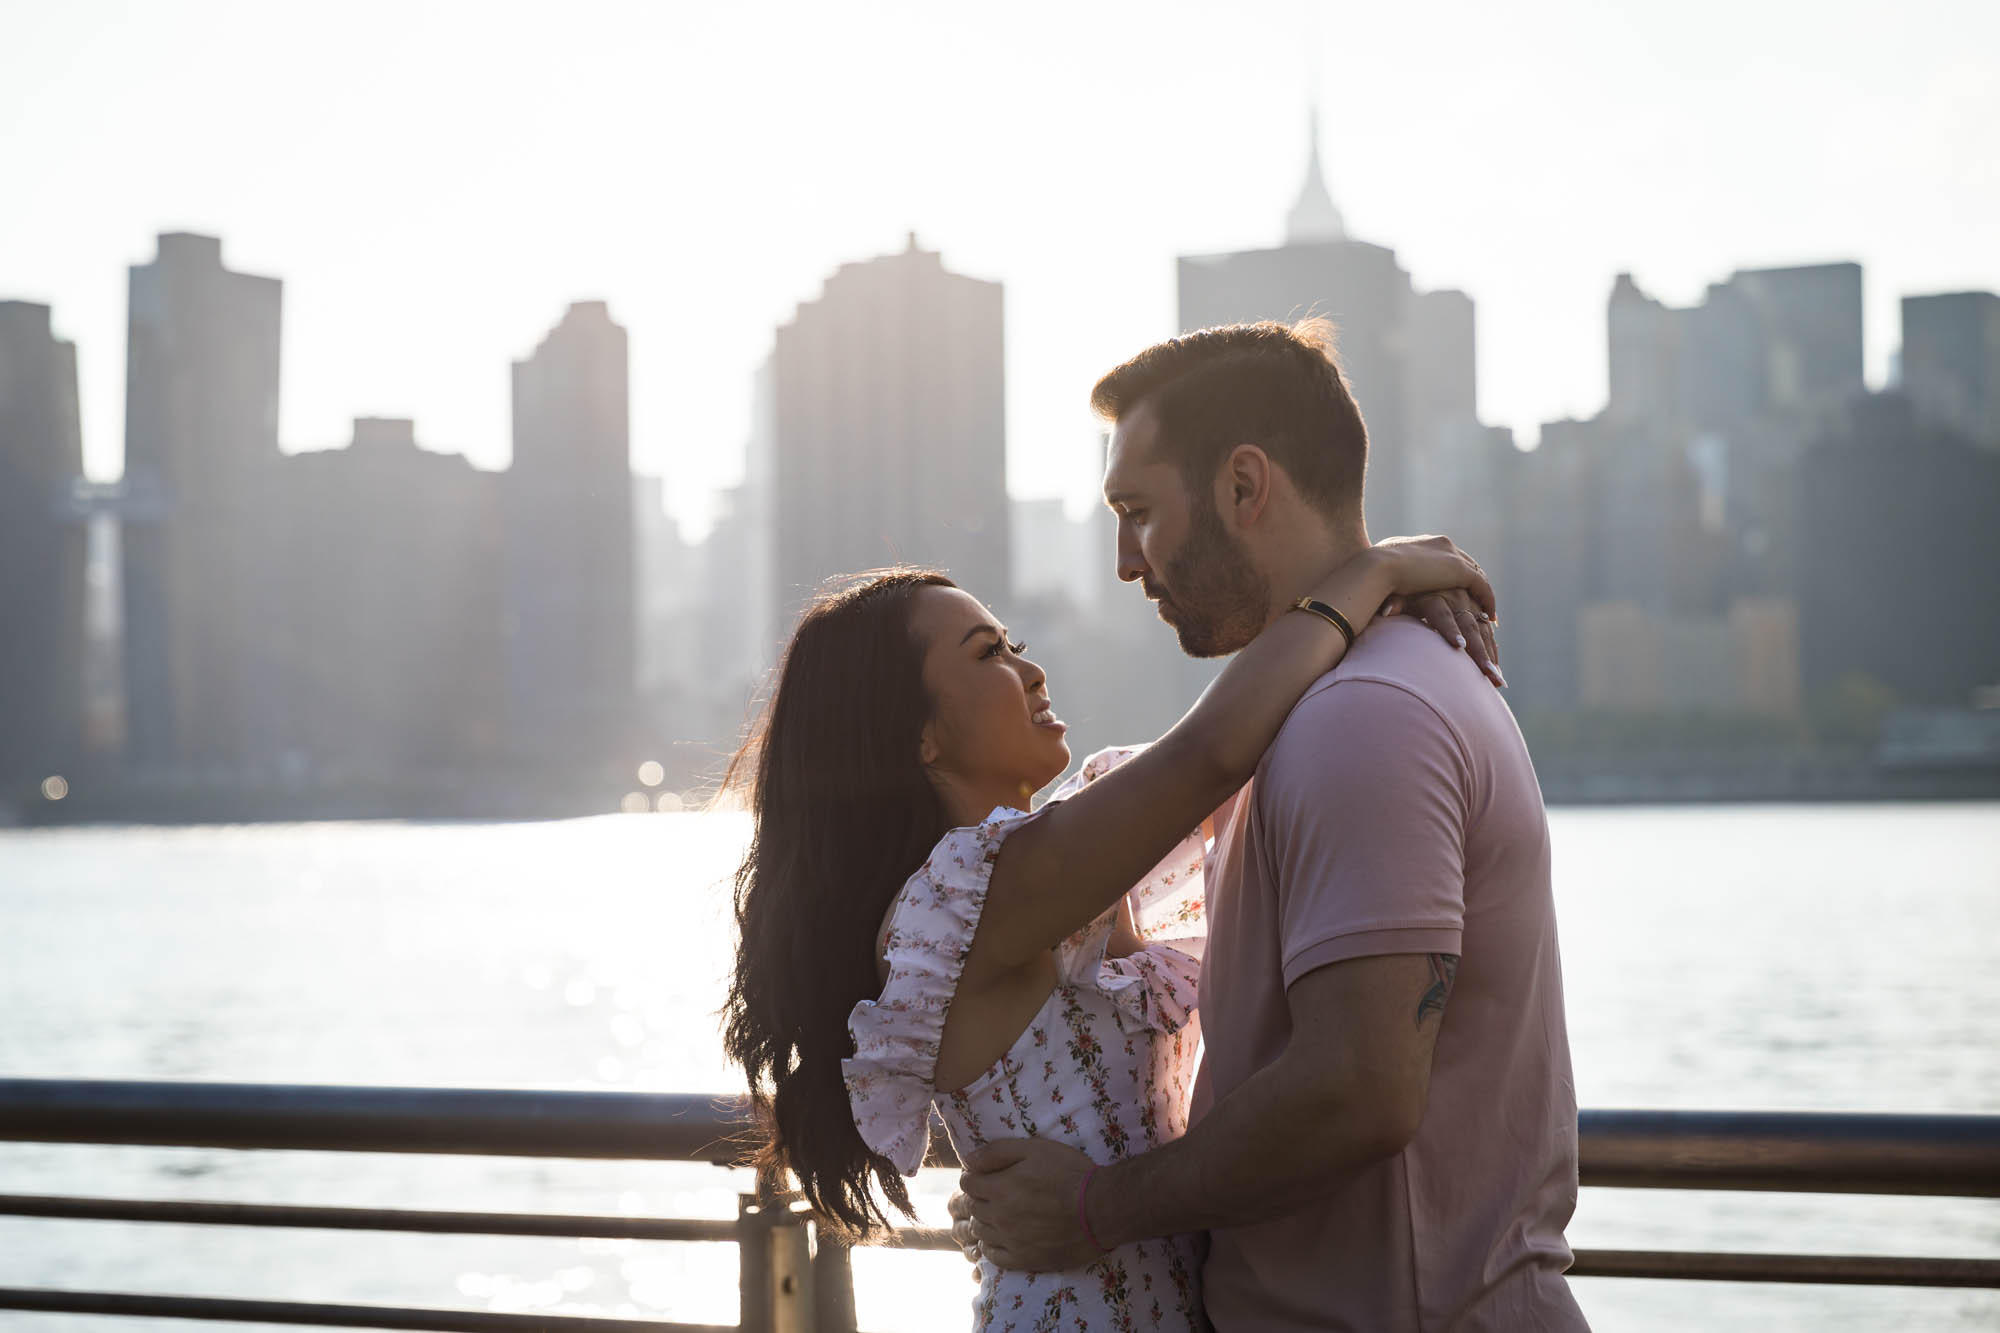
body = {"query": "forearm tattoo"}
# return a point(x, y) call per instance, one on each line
point(1444, 967)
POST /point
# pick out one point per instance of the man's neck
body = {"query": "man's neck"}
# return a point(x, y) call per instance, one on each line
point(1307, 559)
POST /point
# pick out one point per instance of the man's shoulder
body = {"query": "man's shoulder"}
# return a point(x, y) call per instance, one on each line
point(1395, 689)
point(1399, 666)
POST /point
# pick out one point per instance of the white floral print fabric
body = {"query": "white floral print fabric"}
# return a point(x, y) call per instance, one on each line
point(1104, 1066)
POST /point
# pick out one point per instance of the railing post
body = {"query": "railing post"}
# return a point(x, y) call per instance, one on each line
point(775, 1265)
point(753, 1266)
point(791, 1275)
point(833, 1284)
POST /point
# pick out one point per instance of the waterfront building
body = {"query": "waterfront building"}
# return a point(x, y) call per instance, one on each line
point(664, 592)
point(1897, 512)
point(735, 636)
point(43, 555)
point(1632, 660)
point(1408, 355)
point(1778, 340)
point(1643, 345)
point(886, 409)
point(1810, 316)
point(1465, 490)
point(1951, 362)
point(1550, 537)
point(1053, 557)
point(392, 625)
point(201, 572)
point(567, 583)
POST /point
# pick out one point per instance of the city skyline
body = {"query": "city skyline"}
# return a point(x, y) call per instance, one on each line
point(412, 274)
point(382, 612)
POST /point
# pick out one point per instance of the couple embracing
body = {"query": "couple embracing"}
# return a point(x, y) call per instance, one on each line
point(1258, 1027)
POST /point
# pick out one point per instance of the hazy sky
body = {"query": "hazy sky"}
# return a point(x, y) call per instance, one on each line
point(435, 182)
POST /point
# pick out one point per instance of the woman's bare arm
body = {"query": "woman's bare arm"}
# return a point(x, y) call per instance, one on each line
point(1057, 872)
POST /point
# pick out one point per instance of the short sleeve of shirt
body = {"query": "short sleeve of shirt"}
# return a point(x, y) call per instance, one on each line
point(1364, 800)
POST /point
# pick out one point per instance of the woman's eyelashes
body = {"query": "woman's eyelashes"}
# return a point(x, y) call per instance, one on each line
point(993, 649)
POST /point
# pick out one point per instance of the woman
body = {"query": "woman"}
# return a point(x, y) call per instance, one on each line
point(909, 937)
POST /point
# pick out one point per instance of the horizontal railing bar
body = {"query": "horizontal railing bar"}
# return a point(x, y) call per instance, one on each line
point(1859, 1269)
point(1722, 1150)
point(203, 1213)
point(1864, 1270)
point(509, 1122)
point(1792, 1151)
point(1868, 1270)
point(215, 1308)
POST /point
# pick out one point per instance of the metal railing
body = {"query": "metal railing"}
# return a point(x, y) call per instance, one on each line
point(795, 1282)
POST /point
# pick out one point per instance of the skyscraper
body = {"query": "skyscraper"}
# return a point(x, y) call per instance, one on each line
point(1897, 512)
point(1409, 357)
point(1735, 387)
point(393, 661)
point(1811, 320)
point(1951, 362)
point(42, 553)
point(1774, 341)
point(568, 603)
point(888, 428)
point(201, 451)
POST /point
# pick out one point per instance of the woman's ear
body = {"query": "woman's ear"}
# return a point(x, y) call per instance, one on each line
point(927, 746)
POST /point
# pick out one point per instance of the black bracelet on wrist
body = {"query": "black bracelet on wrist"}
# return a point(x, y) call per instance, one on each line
point(1328, 614)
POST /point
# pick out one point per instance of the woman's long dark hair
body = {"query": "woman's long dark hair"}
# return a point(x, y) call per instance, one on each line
point(844, 815)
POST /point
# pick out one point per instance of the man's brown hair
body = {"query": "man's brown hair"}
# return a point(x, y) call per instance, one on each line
point(1277, 386)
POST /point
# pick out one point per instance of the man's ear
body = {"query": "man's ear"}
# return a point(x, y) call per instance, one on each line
point(1245, 483)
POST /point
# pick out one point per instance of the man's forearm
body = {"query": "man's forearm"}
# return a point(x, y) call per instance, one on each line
point(1243, 1163)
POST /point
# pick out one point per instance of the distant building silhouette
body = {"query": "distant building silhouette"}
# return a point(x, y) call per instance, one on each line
point(1810, 317)
point(1636, 661)
point(1669, 521)
point(1951, 362)
point(1777, 340)
point(1551, 535)
point(357, 627)
point(1898, 513)
point(663, 591)
point(887, 402)
point(201, 448)
point(42, 554)
point(1408, 355)
point(392, 624)
point(735, 632)
point(1053, 558)
point(568, 601)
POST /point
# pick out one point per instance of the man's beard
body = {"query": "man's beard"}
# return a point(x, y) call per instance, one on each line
point(1219, 599)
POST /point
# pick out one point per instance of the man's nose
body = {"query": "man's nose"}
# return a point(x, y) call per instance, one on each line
point(1131, 564)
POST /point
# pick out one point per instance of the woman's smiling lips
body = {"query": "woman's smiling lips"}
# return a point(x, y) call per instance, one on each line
point(1045, 716)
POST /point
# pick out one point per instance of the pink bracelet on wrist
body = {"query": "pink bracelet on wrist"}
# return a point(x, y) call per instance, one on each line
point(1083, 1214)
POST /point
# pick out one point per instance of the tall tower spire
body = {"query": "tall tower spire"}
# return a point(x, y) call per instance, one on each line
point(1313, 216)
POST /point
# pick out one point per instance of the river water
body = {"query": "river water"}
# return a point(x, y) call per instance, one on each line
point(1814, 958)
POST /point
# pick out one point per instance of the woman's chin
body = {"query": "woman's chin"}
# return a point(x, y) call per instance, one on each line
point(1062, 747)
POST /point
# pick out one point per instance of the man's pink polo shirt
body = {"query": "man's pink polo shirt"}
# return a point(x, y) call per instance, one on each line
point(1397, 812)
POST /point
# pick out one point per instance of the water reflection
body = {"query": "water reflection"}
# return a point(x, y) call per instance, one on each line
point(1703, 968)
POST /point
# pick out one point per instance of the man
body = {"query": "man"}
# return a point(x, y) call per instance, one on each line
point(1383, 1130)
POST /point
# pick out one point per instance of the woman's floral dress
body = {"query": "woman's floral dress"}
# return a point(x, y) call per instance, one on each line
point(1104, 1065)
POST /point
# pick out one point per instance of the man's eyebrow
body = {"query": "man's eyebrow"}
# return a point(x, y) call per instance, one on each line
point(982, 628)
point(1119, 497)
